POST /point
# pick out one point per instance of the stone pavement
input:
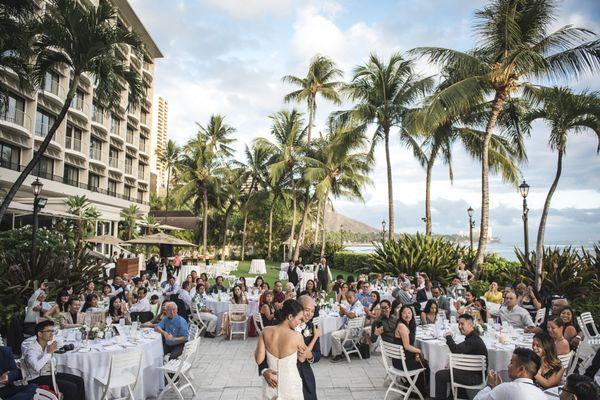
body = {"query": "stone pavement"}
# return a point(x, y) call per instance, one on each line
point(225, 370)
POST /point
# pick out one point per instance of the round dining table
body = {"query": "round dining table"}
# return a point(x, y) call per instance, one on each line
point(258, 266)
point(220, 306)
point(330, 322)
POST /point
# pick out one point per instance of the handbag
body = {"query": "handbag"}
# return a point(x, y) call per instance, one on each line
point(365, 350)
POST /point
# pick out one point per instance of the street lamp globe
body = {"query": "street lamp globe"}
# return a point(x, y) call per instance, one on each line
point(36, 187)
point(383, 224)
point(470, 211)
point(524, 189)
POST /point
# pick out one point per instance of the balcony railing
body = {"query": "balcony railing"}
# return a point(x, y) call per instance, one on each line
point(115, 128)
point(78, 104)
point(95, 153)
point(73, 143)
point(16, 117)
point(113, 162)
point(42, 129)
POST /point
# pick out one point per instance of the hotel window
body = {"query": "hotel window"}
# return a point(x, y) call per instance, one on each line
point(128, 190)
point(95, 149)
point(77, 101)
point(73, 138)
point(130, 135)
point(93, 181)
point(140, 196)
point(112, 187)
point(15, 112)
point(43, 122)
point(44, 168)
point(113, 157)
point(50, 82)
point(115, 125)
point(128, 165)
point(97, 114)
point(71, 175)
point(10, 156)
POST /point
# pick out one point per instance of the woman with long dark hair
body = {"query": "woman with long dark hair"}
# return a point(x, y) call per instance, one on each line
point(373, 310)
point(429, 313)
point(267, 310)
point(551, 371)
point(91, 304)
point(237, 298)
point(310, 290)
point(406, 329)
point(117, 311)
point(571, 330)
point(61, 306)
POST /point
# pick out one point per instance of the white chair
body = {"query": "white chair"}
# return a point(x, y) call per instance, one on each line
point(43, 394)
point(586, 322)
point(193, 331)
point(539, 316)
point(317, 321)
point(354, 330)
point(574, 361)
point(124, 371)
point(238, 309)
point(195, 316)
point(175, 371)
point(258, 323)
point(48, 369)
point(466, 362)
point(397, 376)
point(565, 359)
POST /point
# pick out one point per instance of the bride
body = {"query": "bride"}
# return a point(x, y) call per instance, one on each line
point(280, 344)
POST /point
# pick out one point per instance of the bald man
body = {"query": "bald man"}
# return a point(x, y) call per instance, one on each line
point(557, 306)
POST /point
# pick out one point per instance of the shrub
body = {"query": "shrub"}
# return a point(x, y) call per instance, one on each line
point(311, 253)
point(479, 286)
point(352, 262)
point(417, 253)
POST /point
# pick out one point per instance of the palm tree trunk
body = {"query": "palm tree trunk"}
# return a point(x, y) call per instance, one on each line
point(497, 105)
point(428, 197)
point(205, 223)
point(12, 192)
point(302, 227)
point(311, 116)
point(167, 196)
point(389, 183)
point(244, 234)
point(318, 222)
point(293, 230)
point(324, 224)
point(539, 248)
point(224, 242)
point(269, 250)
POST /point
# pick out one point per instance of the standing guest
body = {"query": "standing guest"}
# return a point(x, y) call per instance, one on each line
point(440, 298)
point(339, 281)
point(384, 325)
point(456, 289)
point(551, 371)
point(341, 295)
point(278, 296)
point(9, 374)
point(527, 298)
point(142, 304)
point(323, 275)
point(464, 274)
point(472, 345)
point(72, 318)
point(405, 334)
point(116, 312)
point(35, 305)
point(237, 298)
point(267, 311)
point(572, 332)
point(354, 310)
point(364, 296)
point(293, 277)
point(176, 264)
point(373, 309)
point(555, 330)
point(61, 306)
point(310, 290)
point(514, 314)
point(523, 367)
point(174, 330)
point(91, 304)
point(493, 295)
point(429, 314)
point(37, 353)
point(218, 286)
point(579, 387)
point(425, 294)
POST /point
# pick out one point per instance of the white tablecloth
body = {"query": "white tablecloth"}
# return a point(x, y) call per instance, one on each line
point(258, 267)
point(97, 363)
point(329, 324)
point(221, 307)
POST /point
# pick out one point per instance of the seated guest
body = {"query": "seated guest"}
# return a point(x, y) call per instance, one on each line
point(218, 286)
point(472, 345)
point(258, 282)
point(90, 288)
point(493, 295)
point(35, 306)
point(429, 314)
point(37, 353)
point(557, 305)
point(237, 298)
point(339, 280)
point(9, 374)
point(377, 280)
point(72, 318)
point(155, 304)
point(551, 371)
point(116, 312)
point(174, 330)
point(204, 313)
point(290, 291)
point(106, 293)
point(405, 335)
point(440, 298)
point(184, 294)
point(555, 330)
point(482, 314)
point(470, 297)
point(514, 314)
point(242, 283)
point(310, 290)
point(528, 299)
point(579, 387)
point(455, 289)
point(91, 304)
point(571, 330)
point(403, 294)
point(373, 309)
point(424, 294)
point(364, 296)
point(61, 306)
point(267, 311)
point(119, 287)
point(278, 296)
point(355, 309)
point(420, 283)
point(265, 287)
point(524, 365)
point(172, 288)
point(384, 325)
point(142, 304)
point(402, 278)
point(341, 294)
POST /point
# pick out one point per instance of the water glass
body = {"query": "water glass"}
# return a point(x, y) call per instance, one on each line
point(122, 322)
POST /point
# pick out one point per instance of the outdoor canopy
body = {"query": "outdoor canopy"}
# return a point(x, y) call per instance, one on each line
point(105, 239)
point(160, 238)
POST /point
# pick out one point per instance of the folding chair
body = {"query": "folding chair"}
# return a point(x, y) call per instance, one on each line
point(175, 371)
point(586, 322)
point(43, 394)
point(565, 359)
point(539, 316)
point(466, 362)
point(120, 373)
point(354, 329)
point(193, 331)
point(195, 318)
point(391, 351)
point(238, 309)
point(258, 323)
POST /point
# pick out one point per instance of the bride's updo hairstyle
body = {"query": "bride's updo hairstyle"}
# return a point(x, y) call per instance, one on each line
point(290, 307)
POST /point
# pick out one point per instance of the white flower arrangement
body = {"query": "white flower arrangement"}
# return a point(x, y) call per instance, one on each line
point(306, 332)
point(480, 328)
point(461, 300)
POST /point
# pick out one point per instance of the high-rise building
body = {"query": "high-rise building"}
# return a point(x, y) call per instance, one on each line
point(159, 141)
point(104, 156)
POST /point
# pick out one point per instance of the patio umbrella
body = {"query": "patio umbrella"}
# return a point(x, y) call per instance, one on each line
point(105, 239)
point(160, 238)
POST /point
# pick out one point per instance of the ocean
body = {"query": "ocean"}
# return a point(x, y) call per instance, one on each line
point(506, 250)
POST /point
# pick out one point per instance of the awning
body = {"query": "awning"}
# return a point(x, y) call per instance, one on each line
point(25, 209)
point(160, 238)
point(105, 239)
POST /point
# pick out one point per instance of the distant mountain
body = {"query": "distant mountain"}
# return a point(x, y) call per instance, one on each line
point(334, 220)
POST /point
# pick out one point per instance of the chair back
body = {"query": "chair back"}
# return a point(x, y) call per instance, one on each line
point(43, 394)
point(193, 331)
point(258, 323)
point(467, 362)
point(97, 318)
point(586, 322)
point(142, 316)
point(391, 351)
point(539, 316)
point(317, 321)
point(565, 359)
point(238, 308)
point(356, 323)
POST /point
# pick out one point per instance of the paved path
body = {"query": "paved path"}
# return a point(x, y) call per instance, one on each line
point(225, 370)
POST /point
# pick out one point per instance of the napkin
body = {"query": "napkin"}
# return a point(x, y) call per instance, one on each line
point(112, 347)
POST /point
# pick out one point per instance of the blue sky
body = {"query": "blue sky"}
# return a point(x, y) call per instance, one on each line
point(228, 57)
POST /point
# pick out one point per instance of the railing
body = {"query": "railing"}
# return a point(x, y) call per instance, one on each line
point(42, 130)
point(142, 175)
point(128, 169)
point(113, 162)
point(73, 143)
point(95, 153)
point(80, 105)
point(10, 165)
point(115, 128)
point(129, 137)
point(17, 117)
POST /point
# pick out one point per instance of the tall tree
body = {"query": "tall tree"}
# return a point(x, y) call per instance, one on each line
point(566, 113)
point(384, 92)
point(83, 40)
point(169, 158)
point(513, 46)
point(129, 220)
point(320, 79)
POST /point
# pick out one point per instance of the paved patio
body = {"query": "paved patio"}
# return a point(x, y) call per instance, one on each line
point(226, 370)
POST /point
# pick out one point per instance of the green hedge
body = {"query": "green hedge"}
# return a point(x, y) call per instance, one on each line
point(352, 262)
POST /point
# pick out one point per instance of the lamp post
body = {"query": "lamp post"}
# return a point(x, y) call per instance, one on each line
point(471, 226)
point(38, 203)
point(524, 189)
point(383, 231)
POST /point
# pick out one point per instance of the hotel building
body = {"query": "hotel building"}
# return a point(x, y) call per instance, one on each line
point(159, 140)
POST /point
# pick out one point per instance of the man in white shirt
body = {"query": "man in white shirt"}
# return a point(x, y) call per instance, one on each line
point(513, 313)
point(356, 310)
point(184, 294)
point(198, 306)
point(172, 287)
point(522, 368)
point(143, 304)
point(37, 352)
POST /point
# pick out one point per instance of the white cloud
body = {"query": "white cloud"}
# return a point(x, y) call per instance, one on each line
point(248, 9)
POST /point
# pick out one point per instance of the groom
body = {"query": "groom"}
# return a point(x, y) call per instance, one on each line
point(307, 330)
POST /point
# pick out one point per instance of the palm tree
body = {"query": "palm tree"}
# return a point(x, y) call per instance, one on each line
point(151, 223)
point(82, 40)
point(384, 92)
point(86, 214)
point(566, 112)
point(129, 218)
point(513, 46)
point(231, 186)
point(169, 158)
point(320, 78)
point(286, 150)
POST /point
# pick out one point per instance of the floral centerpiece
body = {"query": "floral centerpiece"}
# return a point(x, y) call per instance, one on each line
point(480, 328)
point(93, 332)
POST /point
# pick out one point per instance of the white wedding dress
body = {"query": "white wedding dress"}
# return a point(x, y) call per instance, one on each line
point(289, 383)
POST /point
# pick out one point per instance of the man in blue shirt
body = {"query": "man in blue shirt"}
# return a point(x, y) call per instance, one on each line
point(364, 296)
point(174, 331)
point(9, 373)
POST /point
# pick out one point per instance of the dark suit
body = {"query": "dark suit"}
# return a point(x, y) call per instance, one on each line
point(293, 276)
point(10, 391)
point(309, 387)
point(322, 277)
point(422, 295)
